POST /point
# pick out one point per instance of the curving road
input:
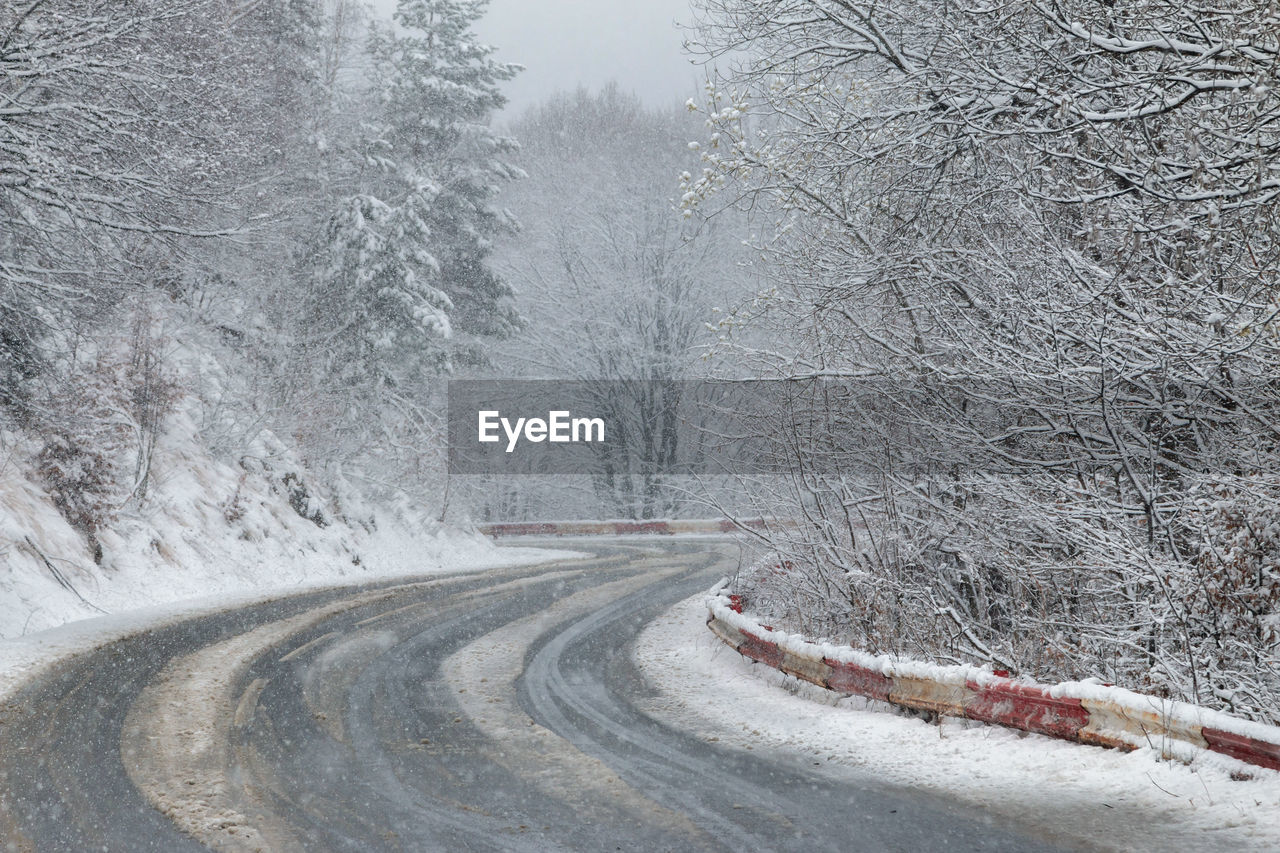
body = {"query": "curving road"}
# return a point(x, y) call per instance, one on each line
point(473, 712)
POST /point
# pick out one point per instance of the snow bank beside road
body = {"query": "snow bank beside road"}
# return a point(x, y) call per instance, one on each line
point(1087, 712)
point(205, 522)
point(206, 527)
point(1103, 798)
point(23, 657)
point(210, 535)
point(211, 532)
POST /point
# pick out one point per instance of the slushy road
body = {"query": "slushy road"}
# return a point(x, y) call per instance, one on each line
point(491, 711)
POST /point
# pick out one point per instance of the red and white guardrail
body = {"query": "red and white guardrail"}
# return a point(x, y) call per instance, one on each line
point(1086, 712)
point(663, 527)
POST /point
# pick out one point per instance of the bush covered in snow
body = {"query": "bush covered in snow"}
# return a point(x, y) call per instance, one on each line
point(1046, 236)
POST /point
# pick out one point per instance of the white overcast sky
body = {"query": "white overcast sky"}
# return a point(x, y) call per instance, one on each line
point(567, 43)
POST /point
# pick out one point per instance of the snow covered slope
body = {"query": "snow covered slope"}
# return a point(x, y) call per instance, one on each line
point(206, 527)
point(212, 516)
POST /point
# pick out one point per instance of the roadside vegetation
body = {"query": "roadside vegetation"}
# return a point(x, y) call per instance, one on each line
point(1036, 247)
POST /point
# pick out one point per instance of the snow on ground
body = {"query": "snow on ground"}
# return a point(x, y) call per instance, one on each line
point(1103, 798)
point(206, 526)
point(209, 533)
point(222, 500)
point(22, 657)
point(214, 523)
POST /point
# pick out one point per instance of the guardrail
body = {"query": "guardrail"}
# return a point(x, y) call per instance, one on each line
point(1085, 712)
point(660, 527)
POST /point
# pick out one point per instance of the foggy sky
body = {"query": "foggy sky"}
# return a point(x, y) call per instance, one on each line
point(567, 43)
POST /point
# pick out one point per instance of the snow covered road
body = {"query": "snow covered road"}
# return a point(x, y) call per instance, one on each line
point(493, 711)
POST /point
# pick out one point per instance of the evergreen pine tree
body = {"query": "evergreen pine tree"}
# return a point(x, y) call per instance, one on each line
point(407, 281)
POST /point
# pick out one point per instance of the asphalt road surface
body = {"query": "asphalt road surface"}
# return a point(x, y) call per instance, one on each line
point(493, 711)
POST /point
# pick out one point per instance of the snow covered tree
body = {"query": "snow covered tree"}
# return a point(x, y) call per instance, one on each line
point(440, 89)
point(615, 284)
point(88, 156)
point(1054, 224)
point(405, 280)
point(133, 136)
point(391, 316)
point(605, 248)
